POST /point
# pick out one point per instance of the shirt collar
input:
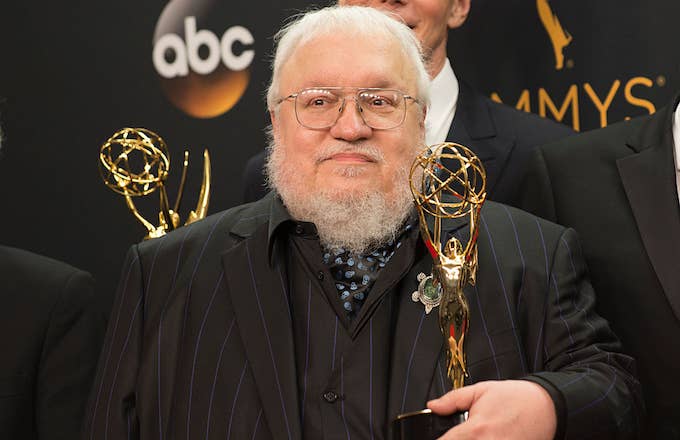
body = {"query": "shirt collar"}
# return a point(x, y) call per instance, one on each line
point(444, 89)
point(676, 147)
point(280, 218)
point(676, 136)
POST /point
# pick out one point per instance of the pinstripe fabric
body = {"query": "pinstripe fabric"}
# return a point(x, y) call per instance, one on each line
point(159, 361)
point(335, 343)
point(501, 282)
point(266, 330)
point(257, 425)
point(359, 359)
point(104, 363)
point(414, 345)
point(198, 345)
point(251, 353)
point(308, 335)
point(492, 349)
point(370, 409)
point(217, 369)
point(117, 369)
point(343, 392)
point(521, 255)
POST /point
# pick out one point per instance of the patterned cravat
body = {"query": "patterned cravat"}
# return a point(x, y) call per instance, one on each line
point(355, 274)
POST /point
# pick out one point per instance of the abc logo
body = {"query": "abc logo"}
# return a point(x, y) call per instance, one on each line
point(186, 53)
point(201, 73)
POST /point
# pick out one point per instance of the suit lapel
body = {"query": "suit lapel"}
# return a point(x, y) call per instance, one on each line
point(474, 128)
point(263, 319)
point(418, 342)
point(649, 181)
point(417, 345)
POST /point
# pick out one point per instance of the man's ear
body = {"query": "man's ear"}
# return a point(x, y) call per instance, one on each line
point(458, 13)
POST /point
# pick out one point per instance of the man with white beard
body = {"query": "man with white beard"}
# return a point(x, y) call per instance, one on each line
point(293, 317)
point(501, 136)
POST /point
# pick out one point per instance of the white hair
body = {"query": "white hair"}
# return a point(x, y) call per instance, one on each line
point(351, 21)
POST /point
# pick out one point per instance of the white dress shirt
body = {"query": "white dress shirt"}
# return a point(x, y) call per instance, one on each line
point(443, 99)
point(676, 150)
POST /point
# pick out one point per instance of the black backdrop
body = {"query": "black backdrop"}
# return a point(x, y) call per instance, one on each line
point(72, 74)
point(616, 44)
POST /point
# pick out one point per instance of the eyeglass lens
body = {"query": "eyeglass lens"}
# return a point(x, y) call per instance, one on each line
point(321, 107)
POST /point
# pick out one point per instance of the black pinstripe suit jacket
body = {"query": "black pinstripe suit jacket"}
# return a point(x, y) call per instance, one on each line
point(200, 345)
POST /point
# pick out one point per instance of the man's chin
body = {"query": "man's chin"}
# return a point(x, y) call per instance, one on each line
point(347, 178)
point(345, 189)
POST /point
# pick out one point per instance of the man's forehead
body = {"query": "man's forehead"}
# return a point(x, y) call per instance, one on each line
point(321, 78)
point(356, 62)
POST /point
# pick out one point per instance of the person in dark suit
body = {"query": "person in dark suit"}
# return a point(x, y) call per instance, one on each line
point(51, 336)
point(617, 186)
point(501, 136)
point(293, 317)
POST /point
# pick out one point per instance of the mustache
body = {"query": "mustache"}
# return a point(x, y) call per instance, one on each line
point(373, 153)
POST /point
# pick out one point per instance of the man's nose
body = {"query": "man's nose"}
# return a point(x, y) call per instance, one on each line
point(350, 126)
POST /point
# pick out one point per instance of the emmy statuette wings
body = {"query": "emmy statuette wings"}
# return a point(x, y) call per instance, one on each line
point(441, 193)
point(135, 162)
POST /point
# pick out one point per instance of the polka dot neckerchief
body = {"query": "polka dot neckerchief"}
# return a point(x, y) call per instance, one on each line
point(354, 275)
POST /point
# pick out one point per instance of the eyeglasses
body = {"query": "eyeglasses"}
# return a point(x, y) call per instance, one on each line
point(321, 107)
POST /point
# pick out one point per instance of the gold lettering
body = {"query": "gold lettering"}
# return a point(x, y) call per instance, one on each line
point(549, 108)
point(523, 103)
point(545, 102)
point(602, 107)
point(638, 80)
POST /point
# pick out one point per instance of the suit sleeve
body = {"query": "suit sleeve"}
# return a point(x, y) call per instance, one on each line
point(593, 384)
point(112, 409)
point(536, 194)
point(68, 358)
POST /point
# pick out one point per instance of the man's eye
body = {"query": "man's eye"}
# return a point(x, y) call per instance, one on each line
point(377, 101)
point(318, 102)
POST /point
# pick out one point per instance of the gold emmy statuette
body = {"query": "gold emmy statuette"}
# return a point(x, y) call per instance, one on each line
point(135, 162)
point(448, 182)
point(559, 37)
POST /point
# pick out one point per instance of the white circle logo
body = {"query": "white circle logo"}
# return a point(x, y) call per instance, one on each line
point(202, 73)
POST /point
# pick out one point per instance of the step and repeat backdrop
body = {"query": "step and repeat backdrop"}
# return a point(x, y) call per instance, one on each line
point(584, 63)
point(195, 71)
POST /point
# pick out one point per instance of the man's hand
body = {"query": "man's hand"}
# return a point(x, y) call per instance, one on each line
point(508, 409)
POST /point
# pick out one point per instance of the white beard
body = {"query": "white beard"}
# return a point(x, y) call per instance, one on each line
point(357, 221)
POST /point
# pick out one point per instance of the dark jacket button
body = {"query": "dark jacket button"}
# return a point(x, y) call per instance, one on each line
point(330, 396)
